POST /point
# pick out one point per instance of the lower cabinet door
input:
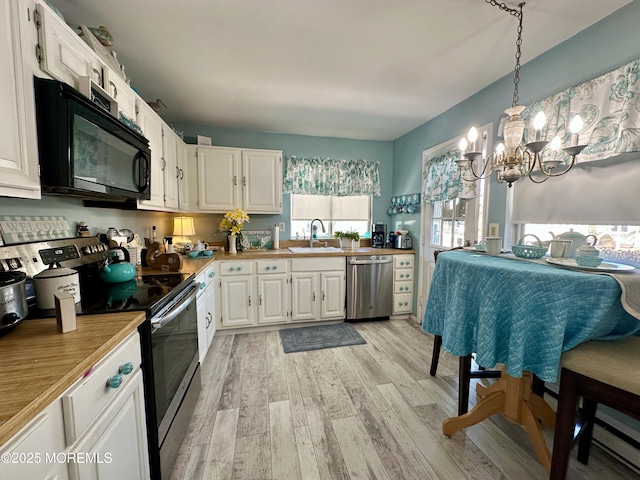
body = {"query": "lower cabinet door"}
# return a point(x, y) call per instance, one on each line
point(237, 300)
point(115, 446)
point(272, 298)
point(304, 304)
point(332, 295)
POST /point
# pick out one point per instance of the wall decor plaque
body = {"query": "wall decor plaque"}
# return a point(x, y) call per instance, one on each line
point(20, 229)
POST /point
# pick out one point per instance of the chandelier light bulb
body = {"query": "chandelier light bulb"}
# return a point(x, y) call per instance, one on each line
point(575, 127)
point(555, 144)
point(473, 136)
point(500, 148)
point(463, 145)
point(538, 123)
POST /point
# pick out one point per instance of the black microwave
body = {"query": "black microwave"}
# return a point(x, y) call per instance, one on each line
point(85, 151)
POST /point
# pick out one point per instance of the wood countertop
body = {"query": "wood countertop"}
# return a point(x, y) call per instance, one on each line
point(40, 363)
point(199, 264)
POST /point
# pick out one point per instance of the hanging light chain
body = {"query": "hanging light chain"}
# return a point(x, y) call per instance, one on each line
point(518, 14)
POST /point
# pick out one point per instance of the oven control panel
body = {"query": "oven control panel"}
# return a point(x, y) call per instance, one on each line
point(59, 254)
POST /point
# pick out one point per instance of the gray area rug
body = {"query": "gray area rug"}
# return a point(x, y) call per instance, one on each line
point(318, 337)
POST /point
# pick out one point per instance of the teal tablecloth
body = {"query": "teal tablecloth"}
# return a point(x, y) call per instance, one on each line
point(521, 314)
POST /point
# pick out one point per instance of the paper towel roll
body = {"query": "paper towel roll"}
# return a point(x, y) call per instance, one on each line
point(276, 237)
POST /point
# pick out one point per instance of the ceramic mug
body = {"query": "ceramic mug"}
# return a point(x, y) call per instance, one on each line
point(494, 245)
point(560, 248)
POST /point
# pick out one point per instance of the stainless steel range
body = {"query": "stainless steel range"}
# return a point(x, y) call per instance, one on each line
point(169, 336)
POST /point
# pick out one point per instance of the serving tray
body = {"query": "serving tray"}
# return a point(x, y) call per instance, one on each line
point(603, 267)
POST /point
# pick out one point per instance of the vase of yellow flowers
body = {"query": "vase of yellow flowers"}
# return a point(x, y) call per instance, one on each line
point(232, 223)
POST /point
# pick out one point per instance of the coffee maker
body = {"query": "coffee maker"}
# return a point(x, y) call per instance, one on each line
point(378, 235)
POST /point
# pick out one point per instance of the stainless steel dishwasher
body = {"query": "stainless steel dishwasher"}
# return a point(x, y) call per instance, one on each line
point(369, 286)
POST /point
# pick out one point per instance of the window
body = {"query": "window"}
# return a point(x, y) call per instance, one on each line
point(447, 228)
point(337, 214)
point(617, 243)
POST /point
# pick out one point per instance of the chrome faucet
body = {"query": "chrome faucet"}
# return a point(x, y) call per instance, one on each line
point(311, 240)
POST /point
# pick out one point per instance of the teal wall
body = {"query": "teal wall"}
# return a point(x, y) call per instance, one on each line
point(303, 146)
point(596, 50)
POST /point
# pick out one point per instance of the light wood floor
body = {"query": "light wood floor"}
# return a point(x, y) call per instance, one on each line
point(362, 412)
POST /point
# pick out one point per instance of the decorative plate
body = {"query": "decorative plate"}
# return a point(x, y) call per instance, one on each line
point(603, 267)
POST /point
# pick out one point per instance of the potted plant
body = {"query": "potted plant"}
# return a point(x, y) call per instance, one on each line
point(348, 239)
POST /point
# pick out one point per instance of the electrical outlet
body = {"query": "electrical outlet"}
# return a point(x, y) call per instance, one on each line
point(282, 226)
point(494, 230)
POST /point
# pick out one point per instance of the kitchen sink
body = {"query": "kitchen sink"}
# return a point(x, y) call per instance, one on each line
point(313, 249)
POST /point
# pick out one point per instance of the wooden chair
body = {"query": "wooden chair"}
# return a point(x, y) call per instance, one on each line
point(464, 369)
point(603, 372)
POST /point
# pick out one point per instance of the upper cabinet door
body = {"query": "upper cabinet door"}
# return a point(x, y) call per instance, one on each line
point(151, 125)
point(19, 175)
point(122, 93)
point(262, 181)
point(170, 161)
point(63, 54)
point(218, 179)
point(183, 177)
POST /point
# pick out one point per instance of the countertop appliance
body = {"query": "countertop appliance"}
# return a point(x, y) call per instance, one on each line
point(85, 151)
point(169, 336)
point(369, 286)
point(378, 235)
point(402, 241)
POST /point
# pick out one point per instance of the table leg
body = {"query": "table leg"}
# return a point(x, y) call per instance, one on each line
point(513, 398)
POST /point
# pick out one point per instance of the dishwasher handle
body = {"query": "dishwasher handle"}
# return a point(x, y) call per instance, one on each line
point(369, 261)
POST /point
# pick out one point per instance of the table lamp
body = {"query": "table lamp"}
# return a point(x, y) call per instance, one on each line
point(182, 229)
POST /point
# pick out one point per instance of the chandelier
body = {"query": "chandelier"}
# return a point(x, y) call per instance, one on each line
point(515, 159)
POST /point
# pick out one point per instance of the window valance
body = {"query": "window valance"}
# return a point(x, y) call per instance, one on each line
point(328, 176)
point(443, 179)
point(608, 104)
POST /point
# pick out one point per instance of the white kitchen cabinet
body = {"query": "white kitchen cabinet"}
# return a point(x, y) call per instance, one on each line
point(19, 175)
point(151, 125)
point(230, 178)
point(63, 54)
point(171, 172)
point(318, 288)
point(184, 202)
point(92, 431)
point(121, 92)
point(273, 291)
point(237, 294)
point(117, 441)
point(41, 436)
point(205, 302)
point(403, 276)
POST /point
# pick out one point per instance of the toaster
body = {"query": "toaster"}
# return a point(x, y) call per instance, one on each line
point(403, 242)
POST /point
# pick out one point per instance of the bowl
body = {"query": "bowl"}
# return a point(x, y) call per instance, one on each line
point(588, 261)
point(206, 253)
point(193, 254)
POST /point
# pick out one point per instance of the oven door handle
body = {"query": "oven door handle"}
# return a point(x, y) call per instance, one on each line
point(175, 311)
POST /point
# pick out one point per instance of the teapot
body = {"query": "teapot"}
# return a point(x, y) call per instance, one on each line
point(577, 240)
point(200, 246)
point(118, 271)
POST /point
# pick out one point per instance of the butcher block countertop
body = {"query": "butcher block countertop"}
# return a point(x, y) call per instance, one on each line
point(39, 363)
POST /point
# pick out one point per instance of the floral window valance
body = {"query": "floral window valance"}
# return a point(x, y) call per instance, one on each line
point(328, 176)
point(608, 104)
point(443, 179)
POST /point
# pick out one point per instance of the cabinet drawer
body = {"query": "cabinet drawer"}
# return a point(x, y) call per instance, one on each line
point(403, 261)
point(204, 279)
point(402, 287)
point(271, 266)
point(236, 268)
point(85, 400)
point(403, 274)
point(402, 302)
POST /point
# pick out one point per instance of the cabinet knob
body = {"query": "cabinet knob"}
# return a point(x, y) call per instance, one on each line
point(211, 274)
point(114, 382)
point(231, 269)
point(405, 304)
point(126, 369)
point(275, 266)
point(402, 275)
point(239, 268)
point(201, 285)
point(268, 268)
point(401, 263)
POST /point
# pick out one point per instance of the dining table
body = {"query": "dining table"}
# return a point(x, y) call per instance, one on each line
point(523, 315)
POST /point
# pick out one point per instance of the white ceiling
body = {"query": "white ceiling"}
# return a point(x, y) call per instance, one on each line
point(366, 69)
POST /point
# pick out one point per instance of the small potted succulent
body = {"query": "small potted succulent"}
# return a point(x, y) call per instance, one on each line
point(348, 239)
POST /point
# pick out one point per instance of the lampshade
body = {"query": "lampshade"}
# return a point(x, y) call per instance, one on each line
point(183, 227)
